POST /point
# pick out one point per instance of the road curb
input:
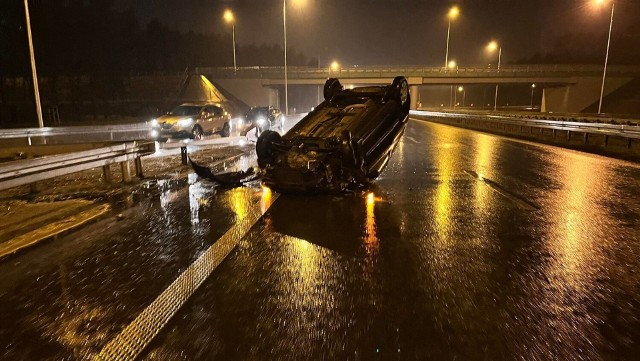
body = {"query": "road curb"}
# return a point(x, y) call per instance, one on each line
point(52, 230)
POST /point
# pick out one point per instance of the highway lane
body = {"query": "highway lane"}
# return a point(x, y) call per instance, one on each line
point(469, 246)
point(473, 246)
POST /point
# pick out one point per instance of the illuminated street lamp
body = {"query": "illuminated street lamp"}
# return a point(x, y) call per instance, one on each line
point(453, 13)
point(229, 18)
point(335, 65)
point(33, 66)
point(462, 90)
point(606, 58)
point(493, 46)
point(533, 87)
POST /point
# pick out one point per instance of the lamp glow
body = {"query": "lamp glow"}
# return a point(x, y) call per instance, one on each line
point(228, 16)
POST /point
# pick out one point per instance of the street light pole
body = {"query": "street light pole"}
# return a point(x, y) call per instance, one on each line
point(451, 65)
point(606, 59)
point(230, 18)
point(233, 36)
point(495, 101)
point(533, 87)
point(455, 100)
point(446, 55)
point(453, 12)
point(33, 66)
point(286, 76)
point(464, 94)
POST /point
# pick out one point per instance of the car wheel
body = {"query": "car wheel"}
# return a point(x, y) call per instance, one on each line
point(399, 90)
point(226, 130)
point(197, 133)
point(331, 87)
point(264, 147)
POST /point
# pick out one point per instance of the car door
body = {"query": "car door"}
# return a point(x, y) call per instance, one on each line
point(205, 118)
point(217, 121)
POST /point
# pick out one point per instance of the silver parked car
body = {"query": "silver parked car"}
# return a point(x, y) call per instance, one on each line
point(192, 120)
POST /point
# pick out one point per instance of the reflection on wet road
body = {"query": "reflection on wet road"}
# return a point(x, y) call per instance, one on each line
point(469, 246)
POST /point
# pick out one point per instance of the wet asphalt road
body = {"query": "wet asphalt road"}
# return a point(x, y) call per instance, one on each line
point(470, 246)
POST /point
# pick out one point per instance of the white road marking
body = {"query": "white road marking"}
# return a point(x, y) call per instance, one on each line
point(134, 338)
point(411, 139)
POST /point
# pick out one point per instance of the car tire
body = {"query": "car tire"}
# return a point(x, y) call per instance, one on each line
point(197, 133)
point(226, 130)
point(264, 147)
point(331, 87)
point(399, 91)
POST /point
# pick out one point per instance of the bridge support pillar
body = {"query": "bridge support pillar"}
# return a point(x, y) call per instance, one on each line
point(413, 92)
point(578, 97)
point(126, 171)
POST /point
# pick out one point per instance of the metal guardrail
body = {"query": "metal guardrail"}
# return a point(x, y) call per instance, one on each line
point(625, 131)
point(29, 133)
point(21, 172)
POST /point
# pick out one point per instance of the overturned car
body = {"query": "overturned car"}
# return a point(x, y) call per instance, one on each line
point(345, 142)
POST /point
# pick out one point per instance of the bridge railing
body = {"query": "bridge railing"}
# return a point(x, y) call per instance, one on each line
point(277, 72)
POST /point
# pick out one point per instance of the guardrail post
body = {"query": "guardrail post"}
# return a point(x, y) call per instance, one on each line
point(586, 138)
point(554, 133)
point(138, 163)
point(106, 173)
point(606, 140)
point(628, 143)
point(126, 172)
point(35, 187)
point(569, 135)
point(183, 154)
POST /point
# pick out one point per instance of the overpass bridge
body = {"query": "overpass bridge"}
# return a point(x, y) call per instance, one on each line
point(566, 88)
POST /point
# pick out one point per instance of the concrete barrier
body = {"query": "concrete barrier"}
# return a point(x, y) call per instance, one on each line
point(619, 141)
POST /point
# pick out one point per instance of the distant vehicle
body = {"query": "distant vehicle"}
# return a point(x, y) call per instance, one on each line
point(192, 120)
point(345, 142)
point(264, 118)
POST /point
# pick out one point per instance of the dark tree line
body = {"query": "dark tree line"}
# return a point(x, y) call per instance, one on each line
point(83, 37)
point(584, 48)
point(87, 52)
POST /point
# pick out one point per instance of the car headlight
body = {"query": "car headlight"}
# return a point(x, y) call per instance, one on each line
point(154, 133)
point(185, 122)
point(261, 121)
point(154, 122)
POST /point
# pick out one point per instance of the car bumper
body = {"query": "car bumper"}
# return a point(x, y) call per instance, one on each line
point(158, 133)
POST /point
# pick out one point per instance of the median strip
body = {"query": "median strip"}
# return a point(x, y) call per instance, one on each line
point(51, 230)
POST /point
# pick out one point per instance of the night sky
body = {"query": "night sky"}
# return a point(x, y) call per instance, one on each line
point(371, 32)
